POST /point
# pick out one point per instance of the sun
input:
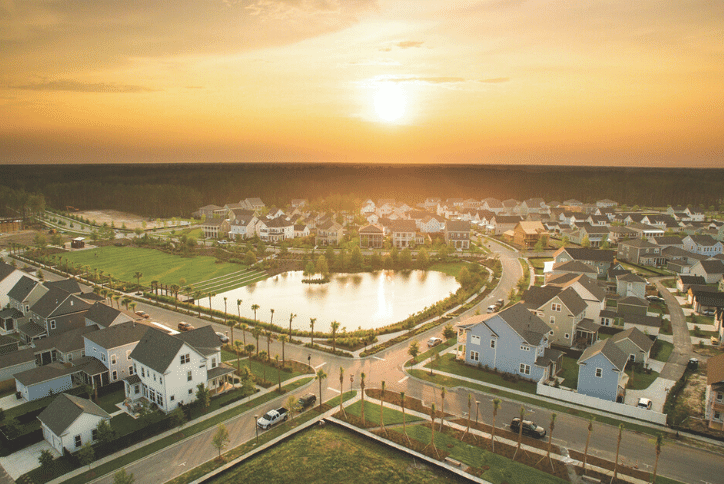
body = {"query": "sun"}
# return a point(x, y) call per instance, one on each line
point(390, 102)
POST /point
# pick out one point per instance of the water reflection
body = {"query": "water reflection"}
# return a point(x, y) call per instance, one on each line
point(366, 300)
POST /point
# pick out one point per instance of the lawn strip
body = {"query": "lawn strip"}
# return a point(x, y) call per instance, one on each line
point(449, 364)
point(435, 349)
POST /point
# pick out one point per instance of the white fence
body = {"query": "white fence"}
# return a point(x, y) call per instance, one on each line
point(597, 403)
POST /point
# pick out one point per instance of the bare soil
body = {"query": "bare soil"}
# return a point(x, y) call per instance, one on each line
point(117, 218)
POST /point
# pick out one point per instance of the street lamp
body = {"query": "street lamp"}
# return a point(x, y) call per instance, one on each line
point(256, 419)
point(309, 360)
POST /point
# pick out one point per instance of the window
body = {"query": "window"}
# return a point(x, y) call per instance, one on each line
point(191, 391)
point(152, 394)
point(525, 348)
point(52, 324)
point(82, 353)
point(553, 320)
point(171, 398)
point(143, 372)
point(185, 358)
point(78, 441)
point(130, 370)
point(524, 369)
point(159, 399)
point(154, 377)
point(717, 416)
point(70, 357)
point(213, 362)
point(550, 332)
point(160, 379)
point(94, 434)
point(135, 370)
point(113, 359)
point(555, 307)
point(631, 357)
point(189, 376)
point(128, 355)
point(492, 343)
point(719, 396)
point(138, 389)
point(114, 375)
point(474, 340)
point(567, 336)
point(103, 357)
point(474, 356)
point(599, 372)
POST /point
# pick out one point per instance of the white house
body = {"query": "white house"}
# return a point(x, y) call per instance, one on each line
point(9, 276)
point(168, 368)
point(70, 422)
point(113, 347)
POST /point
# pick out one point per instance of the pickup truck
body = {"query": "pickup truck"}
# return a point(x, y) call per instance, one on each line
point(272, 417)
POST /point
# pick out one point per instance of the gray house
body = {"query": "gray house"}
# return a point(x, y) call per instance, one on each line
point(513, 341)
point(105, 316)
point(635, 344)
point(43, 381)
point(601, 371)
point(631, 285)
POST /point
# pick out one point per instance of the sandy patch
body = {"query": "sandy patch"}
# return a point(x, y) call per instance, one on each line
point(117, 218)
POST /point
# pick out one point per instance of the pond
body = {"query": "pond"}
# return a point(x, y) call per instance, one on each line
point(360, 300)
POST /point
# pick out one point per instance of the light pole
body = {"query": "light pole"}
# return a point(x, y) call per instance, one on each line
point(256, 419)
point(477, 405)
point(309, 360)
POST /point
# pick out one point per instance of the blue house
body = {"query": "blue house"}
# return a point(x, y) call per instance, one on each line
point(513, 341)
point(601, 371)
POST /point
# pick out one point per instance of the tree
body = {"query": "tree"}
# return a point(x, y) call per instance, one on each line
point(255, 308)
point(464, 277)
point(225, 311)
point(243, 327)
point(335, 327)
point(356, 258)
point(46, 461)
point(291, 402)
point(86, 455)
point(496, 407)
point(341, 389)
point(221, 438)
point(279, 375)
point(414, 349)
point(174, 290)
point(178, 417)
point(448, 331)
point(321, 267)
point(321, 375)
point(311, 325)
point(203, 396)
point(404, 424)
point(550, 436)
point(291, 318)
point(618, 447)
point(406, 258)
point(442, 408)
point(382, 402)
point(271, 320)
point(588, 439)
point(586, 242)
point(538, 246)
point(250, 258)
point(362, 395)
point(283, 338)
point(659, 443)
point(138, 275)
point(520, 430)
point(249, 348)
point(121, 477)
point(256, 332)
point(423, 258)
point(105, 433)
point(269, 338)
point(432, 427)
point(197, 295)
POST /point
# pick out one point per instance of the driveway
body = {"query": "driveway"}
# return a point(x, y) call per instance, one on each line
point(25, 460)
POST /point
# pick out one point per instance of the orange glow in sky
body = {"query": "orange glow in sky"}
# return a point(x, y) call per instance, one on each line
point(411, 81)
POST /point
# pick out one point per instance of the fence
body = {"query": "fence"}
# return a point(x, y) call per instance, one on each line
point(618, 408)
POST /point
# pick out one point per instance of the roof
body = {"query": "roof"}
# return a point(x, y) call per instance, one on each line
point(118, 335)
point(157, 349)
point(43, 373)
point(133, 379)
point(5, 270)
point(202, 339)
point(712, 266)
point(642, 320)
point(634, 301)
point(507, 219)
point(57, 302)
point(31, 328)
point(102, 314)
point(574, 266)
point(705, 240)
point(17, 358)
point(371, 229)
point(10, 313)
point(585, 254)
point(529, 326)
point(403, 226)
point(89, 365)
point(64, 342)
point(639, 243)
point(710, 299)
point(688, 279)
point(222, 369)
point(636, 336)
point(531, 227)
point(549, 355)
point(668, 240)
point(213, 222)
point(715, 370)
point(65, 410)
point(68, 285)
point(587, 324)
point(608, 349)
point(22, 288)
point(457, 226)
point(630, 277)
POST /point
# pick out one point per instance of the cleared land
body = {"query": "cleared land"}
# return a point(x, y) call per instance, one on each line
point(123, 262)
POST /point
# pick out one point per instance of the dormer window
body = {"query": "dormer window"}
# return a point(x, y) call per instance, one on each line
point(52, 324)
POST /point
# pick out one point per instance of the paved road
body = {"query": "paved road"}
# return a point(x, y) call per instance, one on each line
point(674, 368)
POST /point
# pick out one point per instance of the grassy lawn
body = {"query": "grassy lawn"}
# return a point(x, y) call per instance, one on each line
point(372, 413)
point(538, 263)
point(330, 455)
point(570, 372)
point(108, 402)
point(702, 334)
point(662, 350)
point(700, 320)
point(449, 268)
point(670, 283)
point(261, 370)
point(125, 424)
point(641, 380)
point(123, 262)
point(436, 349)
point(499, 469)
point(659, 307)
point(448, 364)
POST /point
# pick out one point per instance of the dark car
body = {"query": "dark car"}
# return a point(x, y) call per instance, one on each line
point(304, 402)
point(182, 326)
point(529, 428)
point(223, 338)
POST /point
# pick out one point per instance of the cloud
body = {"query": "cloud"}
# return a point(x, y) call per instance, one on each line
point(76, 86)
point(430, 80)
point(495, 80)
point(408, 44)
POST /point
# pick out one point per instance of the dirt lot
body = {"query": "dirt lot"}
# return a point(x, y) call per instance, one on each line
point(117, 218)
point(691, 400)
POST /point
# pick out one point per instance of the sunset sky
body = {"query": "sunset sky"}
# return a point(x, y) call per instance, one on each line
point(637, 83)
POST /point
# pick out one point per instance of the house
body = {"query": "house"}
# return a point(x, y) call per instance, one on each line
point(645, 231)
point(702, 244)
point(10, 225)
point(113, 347)
point(105, 316)
point(600, 259)
point(70, 422)
point(432, 224)
point(254, 204)
point(44, 380)
point(168, 368)
point(215, 228)
point(512, 341)
point(371, 236)
point(25, 293)
point(493, 205)
point(640, 252)
point(242, 224)
point(206, 212)
point(683, 282)
point(711, 270)
point(601, 371)
point(649, 325)
point(708, 301)
point(632, 305)
point(527, 234)
point(301, 230)
point(617, 233)
point(600, 220)
point(64, 348)
point(606, 203)
point(403, 233)
point(274, 230)
point(634, 343)
point(8, 344)
point(587, 288)
point(329, 233)
point(593, 235)
point(9, 319)
point(457, 234)
point(503, 223)
point(56, 312)
point(16, 362)
point(669, 241)
point(631, 285)
point(9, 276)
point(562, 309)
point(532, 205)
point(714, 395)
point(571, 267)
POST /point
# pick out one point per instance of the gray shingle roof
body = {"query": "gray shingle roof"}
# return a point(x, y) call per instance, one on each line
point(635, 301)
point(529, 326)
point(575, 266)
point(66, 409)
point(457, 226)
point(102, 314)
point(43, 374)
point(22, 288)
point(57, 302)
point(65, 342)
point(157, 349)
point(584, 254)
point(630, 277)
point(712, 266)
point(609, 349)
point(31, 328)
point(17, 358)
point(636, 336)
point(5, 270)
point(70, 286)
point(202, 339)
point(118, 335)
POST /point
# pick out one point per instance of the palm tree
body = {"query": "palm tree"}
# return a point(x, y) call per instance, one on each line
point(496, 406)
point(341, 389)
point(237, 344)
point(442, 410)
point(154, 286)
point(550, 437)
point(321, 375)
point(256, 332)
point(197, 295)
point(618, 447)
point(382, 402)
point(210, 295)
point(174, 290)
point(283, 338)
point(126, 301)
point(291, 317)
point(271, 320)
point(311, 323)
point(520, 430)
point(335, 327)
point(225, 314)
point(104, 293)
point(243, 327)
point(269, 338)
point(362, 391)
point(117, 298)
point(255, 308)
point(138, 275)
point(659, 444)
point(249, 348)
point(132, 306)
point(588, 439)
point(238, 307)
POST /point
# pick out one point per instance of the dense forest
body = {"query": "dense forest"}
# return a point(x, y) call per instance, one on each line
point(166, 190)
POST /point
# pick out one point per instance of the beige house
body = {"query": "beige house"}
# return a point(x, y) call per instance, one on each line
point(714, 396)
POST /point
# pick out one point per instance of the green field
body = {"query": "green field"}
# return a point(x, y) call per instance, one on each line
point(122, 263)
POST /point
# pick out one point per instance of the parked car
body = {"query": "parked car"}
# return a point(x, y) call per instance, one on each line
point(655, 298)
point(223, 338)
point(693, 364)
point(529, 428)
point(707, 312)
point(272, 417)
point(183, 326)
point(644, 403)
point(306, 401)
point(492, 308)
point(500, 303)
point(142, 314)
point(434, 341)
point(715, 340)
